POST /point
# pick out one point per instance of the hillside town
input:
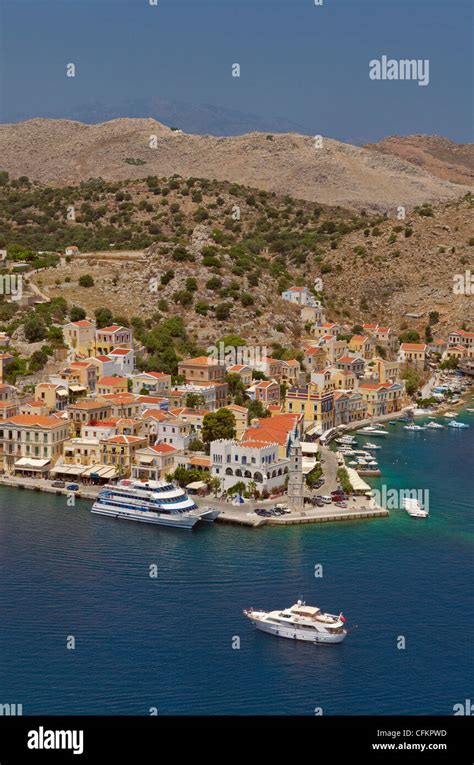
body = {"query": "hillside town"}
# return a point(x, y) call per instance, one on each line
point(235, 422)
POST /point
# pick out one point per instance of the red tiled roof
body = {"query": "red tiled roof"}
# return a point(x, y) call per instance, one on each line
point(112, 381)
point(413, 347)
point(163, 448)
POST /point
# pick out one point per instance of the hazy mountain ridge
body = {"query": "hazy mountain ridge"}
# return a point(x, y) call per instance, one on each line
point(64, 152)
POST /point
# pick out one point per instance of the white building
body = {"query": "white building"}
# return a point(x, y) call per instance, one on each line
point(299, 296)
point(235, 461)
point(124, 360)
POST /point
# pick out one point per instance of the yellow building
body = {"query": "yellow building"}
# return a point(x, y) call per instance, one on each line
point(240, 413)
point(120, 451)
point(243, 371)
point(108, 338)
point(52, 395)
point(87, 412)
point(80, 337)
point(382, 398)
point(30, 443)
point(414, 354)
point(112, 384)
point(152, 463)
point(362, 345)
point(315, 403)
point(385, 370)
point(81, 451)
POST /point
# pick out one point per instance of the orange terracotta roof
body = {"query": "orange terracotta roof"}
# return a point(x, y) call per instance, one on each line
point(413, 347)
point(87, 405)
point(157, 375)
point(201, 361)
point(125, 439)
point(119, 398)
point(200, 461)
point(156, 414)
point(82, 323)
point(163, 448)
point(112, 328)
point(112, 381)
point(36, 420)
point(120, 351)
point(150, 399)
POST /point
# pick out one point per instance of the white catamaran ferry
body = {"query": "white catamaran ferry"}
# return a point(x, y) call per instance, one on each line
point(300, 622)
point(155, 502)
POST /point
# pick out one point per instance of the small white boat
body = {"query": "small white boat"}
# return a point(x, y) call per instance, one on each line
point(451, 414)
point(469, 409)
point(374, 431)
point(300, 622)
point(435, 426)
point(371, 446)
point(413, 508)
point(414, 427)
point(455, 424)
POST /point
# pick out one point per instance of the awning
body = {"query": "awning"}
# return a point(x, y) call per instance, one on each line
point(144, 461)
point(357, 483)
point(68, 469)
point(61, 392)
point(101, 471)
point(309, 447)
point(307, 465)
point(196, 485)
point(77, 388)
point(31, 464)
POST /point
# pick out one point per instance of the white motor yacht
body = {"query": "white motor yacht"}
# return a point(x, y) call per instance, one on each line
point(300, 622)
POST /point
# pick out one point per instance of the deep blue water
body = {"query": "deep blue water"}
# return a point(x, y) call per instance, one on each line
point(167, 642)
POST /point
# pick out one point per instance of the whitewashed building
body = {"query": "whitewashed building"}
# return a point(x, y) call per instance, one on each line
point(257, 461)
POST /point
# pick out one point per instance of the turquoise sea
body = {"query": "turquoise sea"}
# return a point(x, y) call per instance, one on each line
point(178, 642)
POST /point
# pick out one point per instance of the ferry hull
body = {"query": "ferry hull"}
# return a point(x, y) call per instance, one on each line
point(186, 521)
point(289, 632)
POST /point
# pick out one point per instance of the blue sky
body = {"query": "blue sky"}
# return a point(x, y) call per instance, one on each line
point(299, 62)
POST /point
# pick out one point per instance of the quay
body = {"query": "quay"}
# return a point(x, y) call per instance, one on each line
point(239, 515)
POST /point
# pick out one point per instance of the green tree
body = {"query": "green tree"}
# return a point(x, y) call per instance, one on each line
point(256, 409)
point(194, 400)
point(409, 336)
point(86, 280)
point(103, 317)
point(35, 329)
point(235, 385)
point(222, 311)
point(220, 424)
point(412, 380)
point(77, 313)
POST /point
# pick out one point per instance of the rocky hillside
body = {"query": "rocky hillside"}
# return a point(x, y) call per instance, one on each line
point(222, 274)
point(63, 152)
point(433, 153)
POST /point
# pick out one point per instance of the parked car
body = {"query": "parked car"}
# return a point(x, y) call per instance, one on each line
point(319, 503)
point(341, 504)
point(58, 484)
point(318, 483)
point(327, 500)
point(73, 487)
